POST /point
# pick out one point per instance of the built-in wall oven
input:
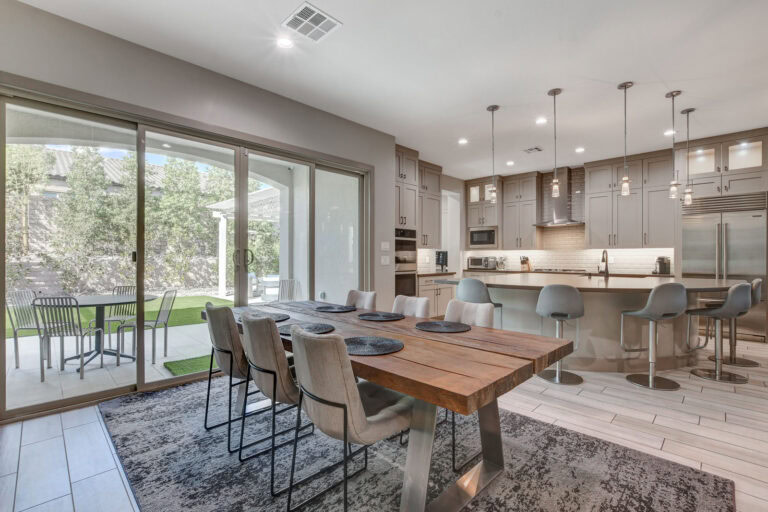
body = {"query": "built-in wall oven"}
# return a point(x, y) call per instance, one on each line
point(405, 262)
point(482, 238)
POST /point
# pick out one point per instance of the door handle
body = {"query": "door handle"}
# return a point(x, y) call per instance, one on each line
point(249, 257)
point(134, 256)
point(609, 239)
point(725, 250)
point(717, 251)
point(234, 259)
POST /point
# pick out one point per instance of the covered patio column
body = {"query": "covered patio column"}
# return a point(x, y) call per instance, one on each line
point(222, 253)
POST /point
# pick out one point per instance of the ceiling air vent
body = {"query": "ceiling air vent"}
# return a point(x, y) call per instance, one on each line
point(534, 149)
point(311, 22)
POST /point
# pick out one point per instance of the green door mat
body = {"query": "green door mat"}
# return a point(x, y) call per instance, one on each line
point(192, 365)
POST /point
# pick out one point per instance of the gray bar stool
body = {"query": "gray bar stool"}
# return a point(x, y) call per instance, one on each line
point(666, 301)
point(475, 291)
point(560, 302)
point(732, 359)
point(736, 304)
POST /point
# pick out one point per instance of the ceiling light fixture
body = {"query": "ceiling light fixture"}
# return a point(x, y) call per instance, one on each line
point(541, 120)
point(579, 149)
point(688, 193)
point(492, 189)
point(166, 145)
point(462, 141)
point(555, 182)
point(284, 43)
point(510, 163)
point(674, 185)
point(625, 181)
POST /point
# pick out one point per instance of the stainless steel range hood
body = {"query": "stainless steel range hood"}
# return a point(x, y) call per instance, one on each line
point(560, 206)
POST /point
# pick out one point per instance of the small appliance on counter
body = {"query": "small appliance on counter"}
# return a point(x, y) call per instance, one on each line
point(501, 263)
point(483, 263)
point(441, 260)
point(525, 264)
point(663, 265)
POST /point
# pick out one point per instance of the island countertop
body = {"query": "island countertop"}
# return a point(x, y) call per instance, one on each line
point(616, 284)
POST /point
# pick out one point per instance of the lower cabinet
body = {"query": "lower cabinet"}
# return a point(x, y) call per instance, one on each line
point(439, 295)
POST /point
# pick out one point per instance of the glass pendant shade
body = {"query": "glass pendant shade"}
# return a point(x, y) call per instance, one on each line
point(673, 187)
point(688, 196)
point(491, 191)
point(625, 185)
point(555, 187)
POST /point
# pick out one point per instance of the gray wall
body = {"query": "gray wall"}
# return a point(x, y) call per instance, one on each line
point(45, 47)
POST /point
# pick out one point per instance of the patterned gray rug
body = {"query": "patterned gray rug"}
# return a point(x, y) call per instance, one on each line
point(174, 464)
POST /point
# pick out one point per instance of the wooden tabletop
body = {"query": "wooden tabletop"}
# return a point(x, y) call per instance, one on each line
point(461, 372)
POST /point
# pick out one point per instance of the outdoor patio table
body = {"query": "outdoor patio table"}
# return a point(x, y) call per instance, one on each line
point(100, 302)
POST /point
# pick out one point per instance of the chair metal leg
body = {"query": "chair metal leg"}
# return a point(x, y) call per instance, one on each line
point(652, 381)
point(558, 375)
point(154, 345)
point(457, 469)
point(718, 374)
point(42, 358)
point(49, 349)
point(109, 334)
point(732, 359)
point(16, 347)
point(82, 355)
point(165, 340)
point(61, 351)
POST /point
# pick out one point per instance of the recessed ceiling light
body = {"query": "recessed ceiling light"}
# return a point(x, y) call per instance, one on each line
point(463, 141)
point(285, 43)
point(669, 132)
point(699, 151)
point(166, 145)
point(541, 120)
point(579, 149)
point(510, 163)
point(744, 144)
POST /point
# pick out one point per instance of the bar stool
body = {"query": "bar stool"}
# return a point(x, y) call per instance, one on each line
point(475, 291)
point(666, 301)
point(736, 304)
point(732, 360)
point(560, 302)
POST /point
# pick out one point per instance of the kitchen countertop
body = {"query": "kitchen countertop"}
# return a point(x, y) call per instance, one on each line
point(435, 274)
point(616, 284)
point(500, 271)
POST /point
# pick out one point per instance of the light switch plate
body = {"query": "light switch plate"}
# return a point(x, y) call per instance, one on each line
point(385, 260)
point(385, 246)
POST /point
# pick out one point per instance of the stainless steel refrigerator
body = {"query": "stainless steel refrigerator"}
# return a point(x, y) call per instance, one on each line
point(725, 238)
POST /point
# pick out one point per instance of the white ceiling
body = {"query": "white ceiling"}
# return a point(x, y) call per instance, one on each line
point(425, 70)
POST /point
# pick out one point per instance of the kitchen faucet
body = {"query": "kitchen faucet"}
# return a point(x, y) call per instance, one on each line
point(604, 259)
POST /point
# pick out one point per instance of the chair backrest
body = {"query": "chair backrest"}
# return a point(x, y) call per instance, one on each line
point(290, 289)
point(361, 300)
point(166, 306)
point(127, 309)
point(470, 313)
point(20, 309)
point(225, 339)
point(757, 291)
point(411, 306)
point(58, 316)
point(560, 301)
point(323, 368)
point(472, 290)
point(737, 302)
point(668, 300)
point(264, 350)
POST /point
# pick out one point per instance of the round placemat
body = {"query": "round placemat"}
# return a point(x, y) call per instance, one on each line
point(380, 316)
point(442, 326)
point(372, 345)
point(285, 330)
point(335, 308)
point(277, 317)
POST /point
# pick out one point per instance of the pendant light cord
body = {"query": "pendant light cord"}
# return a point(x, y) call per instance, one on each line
point(493, 148)
point(554, 109)
point(625, 132)
point(688, 149)
point(674, 171)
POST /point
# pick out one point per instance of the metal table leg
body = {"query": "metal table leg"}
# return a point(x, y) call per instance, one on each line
point(419, 458)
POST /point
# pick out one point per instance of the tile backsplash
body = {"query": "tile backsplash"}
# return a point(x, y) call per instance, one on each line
point(425, 261)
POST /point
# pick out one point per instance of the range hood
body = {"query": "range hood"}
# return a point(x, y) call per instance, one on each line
point(559, 207)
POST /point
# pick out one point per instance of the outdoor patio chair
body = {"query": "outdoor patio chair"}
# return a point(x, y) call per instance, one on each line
point(60, 317)
point(21, 313)
point(290, 290)
point(163, 317)
point(118, 314)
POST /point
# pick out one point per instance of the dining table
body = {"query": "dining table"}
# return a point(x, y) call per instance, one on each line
point(463, 372)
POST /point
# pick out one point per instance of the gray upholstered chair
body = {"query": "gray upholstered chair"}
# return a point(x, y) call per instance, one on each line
point(269, 368)
point(469, 313)
point(227, 351)
point(474, 290)
point(21, 314)
point(411, 306)
point(560, 302)
point(353, 412)
point(736, 304)
point(665, 302)
point(361, 300)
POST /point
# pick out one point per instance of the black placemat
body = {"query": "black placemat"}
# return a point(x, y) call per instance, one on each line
point(314, 328)
point(443, 326)
point(380, 316)
point(277, 317)
point(335, 308)
point(372, 345)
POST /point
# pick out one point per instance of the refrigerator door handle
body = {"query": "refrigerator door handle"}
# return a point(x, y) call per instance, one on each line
point(717, 251)
point(725, 250)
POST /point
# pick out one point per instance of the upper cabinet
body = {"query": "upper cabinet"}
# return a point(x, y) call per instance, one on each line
point(429, 178)
point(607, 178)
point(430, 205)
point(744, 155)
point(634, 171)
point(520, 188)
point(406, 198)
point(481, 190)
point(407, 165)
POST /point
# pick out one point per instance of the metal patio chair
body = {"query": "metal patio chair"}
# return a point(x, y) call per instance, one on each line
point(21, 313)
point(60, 317)
point(118, 314)
point(163, 317)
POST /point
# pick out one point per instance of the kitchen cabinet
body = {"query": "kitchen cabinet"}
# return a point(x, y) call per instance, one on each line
point(744, 183)
point(718, 161)
point(708, 186)
point(599, 220)
point(634, 171)
point(407, 165)
point(511, 190)
point(522, 188)
point(657, 171)
point(510, 226)
point(479, 191)
point(744, 155)
point(429, 178)
point(406, 198)
point(628, 220)
point(439, 295)
point(528, 217)
point(482, 215)
point(518, 228)
point(429, 221)
point(599, 179)
point(660, 217)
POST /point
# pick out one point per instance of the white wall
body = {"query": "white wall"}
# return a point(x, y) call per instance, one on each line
point(44, 47)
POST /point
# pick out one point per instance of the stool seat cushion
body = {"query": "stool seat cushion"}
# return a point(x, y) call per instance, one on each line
point(666, 301)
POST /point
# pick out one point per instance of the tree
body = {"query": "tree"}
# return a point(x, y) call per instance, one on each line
point(27, 169)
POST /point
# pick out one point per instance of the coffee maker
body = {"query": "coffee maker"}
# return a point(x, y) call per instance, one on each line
point(663, 265)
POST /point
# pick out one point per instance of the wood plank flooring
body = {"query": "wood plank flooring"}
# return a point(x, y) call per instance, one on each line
point(715, 427)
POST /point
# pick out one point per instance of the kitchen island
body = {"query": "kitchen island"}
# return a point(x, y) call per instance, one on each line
point(597, 334)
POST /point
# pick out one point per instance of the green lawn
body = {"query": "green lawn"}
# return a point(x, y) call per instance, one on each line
point(186, 311)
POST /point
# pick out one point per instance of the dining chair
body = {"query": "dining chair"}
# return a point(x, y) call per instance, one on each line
point(361, 299)
point(411, 306)
point(119, 313)
point(162, 319)
point(59, 317)
point(269, 368)
point(21, 314)
point(470, 313)
point(474, 290)
point(290, 290)
point(353, 412)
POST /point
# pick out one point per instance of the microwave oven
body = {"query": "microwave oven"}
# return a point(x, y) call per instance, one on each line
point(482, 262)
point(482, 238)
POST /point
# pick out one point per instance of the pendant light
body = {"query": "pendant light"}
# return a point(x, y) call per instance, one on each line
point(674, 185)
point(625, 181)
point(555, 182)
point(492, 189)
point(688, 193)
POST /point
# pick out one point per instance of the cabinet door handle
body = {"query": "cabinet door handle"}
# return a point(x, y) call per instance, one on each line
point(718, 188)
point(726, 188)
point(725, 168)
point(718, 168)
point(609, 239)
point(645, 238)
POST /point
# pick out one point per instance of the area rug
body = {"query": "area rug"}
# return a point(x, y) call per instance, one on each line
point(174, 464)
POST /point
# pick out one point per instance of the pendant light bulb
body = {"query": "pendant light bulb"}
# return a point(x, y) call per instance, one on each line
point(555, 187)
point(625, 186)
point(491, 190)
point(555, 181)
point(625, 181)
point(688, 196)
point(673, 186)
